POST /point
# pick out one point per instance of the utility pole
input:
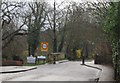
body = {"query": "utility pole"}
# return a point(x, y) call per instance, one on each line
point(54, 31)
point(54, 34)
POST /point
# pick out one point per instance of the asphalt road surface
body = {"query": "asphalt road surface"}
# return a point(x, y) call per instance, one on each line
point(68, 71)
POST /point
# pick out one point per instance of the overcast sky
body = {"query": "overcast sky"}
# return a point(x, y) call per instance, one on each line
point(59, 1)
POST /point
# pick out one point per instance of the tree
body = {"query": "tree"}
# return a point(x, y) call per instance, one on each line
point(119, 41)
point(9, 14)
point(82, 27)
point(35, 22)
point(13, 29)
point(57, 20)
point(111, 28)
point(18, 20)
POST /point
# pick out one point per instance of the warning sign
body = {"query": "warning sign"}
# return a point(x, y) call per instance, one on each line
point(44, 46)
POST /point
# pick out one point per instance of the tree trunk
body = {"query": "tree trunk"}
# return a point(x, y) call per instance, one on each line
point(62, 42)
point(61, 45)
point(29, 49)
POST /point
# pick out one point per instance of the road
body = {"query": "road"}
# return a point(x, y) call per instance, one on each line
point(68, 71)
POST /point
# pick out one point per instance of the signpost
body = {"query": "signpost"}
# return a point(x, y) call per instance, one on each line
point(44, 46)
point(31, 59)
point(43, 58)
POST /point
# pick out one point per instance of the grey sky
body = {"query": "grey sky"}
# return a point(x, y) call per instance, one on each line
point(59, 1)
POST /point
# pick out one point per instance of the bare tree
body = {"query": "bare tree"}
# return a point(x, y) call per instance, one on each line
point(8, 15)
point(57, 20)
point(35, 22)
point(84, 25)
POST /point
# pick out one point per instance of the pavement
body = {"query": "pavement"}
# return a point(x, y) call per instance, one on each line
point(72, 71)
point(16, 69)
point(106, 71)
